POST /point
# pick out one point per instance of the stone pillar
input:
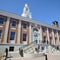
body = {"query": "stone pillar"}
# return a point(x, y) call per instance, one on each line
point(41, 34)
point(30, 33)
point(57, 38)
point(53, 40)
point(48, 36)
point(19, 32)
point(6, 30)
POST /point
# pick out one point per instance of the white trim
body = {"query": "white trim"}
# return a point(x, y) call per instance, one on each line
point(41, 34)
point(13, 28)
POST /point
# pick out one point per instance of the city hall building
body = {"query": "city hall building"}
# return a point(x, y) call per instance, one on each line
point(16, 30)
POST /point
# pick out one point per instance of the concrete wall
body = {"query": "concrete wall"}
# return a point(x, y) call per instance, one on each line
point(4, 46)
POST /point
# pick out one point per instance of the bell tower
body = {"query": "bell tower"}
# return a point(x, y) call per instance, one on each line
point(26, 12)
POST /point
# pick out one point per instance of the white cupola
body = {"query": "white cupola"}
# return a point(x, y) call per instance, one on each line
point(26, 12)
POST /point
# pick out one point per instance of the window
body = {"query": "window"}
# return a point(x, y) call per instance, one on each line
point(50, 40)
point(35, 29)
point(12, 35)
point(11, 48)
point(1, 20)
point(24, 37)
point(0, 33)
point(44, 39)
point(43, 29)
point(14, 23)
point(24, 25)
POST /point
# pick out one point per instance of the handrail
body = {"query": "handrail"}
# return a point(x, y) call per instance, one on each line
point(27, 45)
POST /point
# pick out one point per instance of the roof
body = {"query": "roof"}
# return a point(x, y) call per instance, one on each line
point(8, 14)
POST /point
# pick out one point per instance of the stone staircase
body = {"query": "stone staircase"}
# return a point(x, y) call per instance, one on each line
point(54, 49)
point(27, 49)
point(30, 50)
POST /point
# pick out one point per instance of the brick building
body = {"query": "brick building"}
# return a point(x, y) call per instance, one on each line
point(18, 30)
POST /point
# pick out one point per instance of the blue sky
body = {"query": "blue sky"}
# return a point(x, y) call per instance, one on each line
point(45, 11)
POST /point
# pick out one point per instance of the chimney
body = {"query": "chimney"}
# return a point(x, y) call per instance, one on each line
point(55, 23)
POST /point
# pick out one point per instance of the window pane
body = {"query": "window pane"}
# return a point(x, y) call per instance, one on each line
point(13, 23)
point(24, 37)
point(12, 35)
point(1, 20)
point(24, 25)
point(0, 33)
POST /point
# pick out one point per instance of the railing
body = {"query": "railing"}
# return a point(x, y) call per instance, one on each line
point(56, 47)
point(23, 47)
point(29, 46)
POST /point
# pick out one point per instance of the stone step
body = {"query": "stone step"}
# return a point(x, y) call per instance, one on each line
point(14, 54)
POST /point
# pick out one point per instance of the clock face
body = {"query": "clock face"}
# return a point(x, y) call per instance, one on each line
point(26, 9)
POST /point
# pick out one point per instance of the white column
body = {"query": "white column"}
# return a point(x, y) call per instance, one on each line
point(57, 38)
point(53, 40)
point(30, 33)
point(19, 31)
point(41, 34)
point(6, 30)
point(38, 37)
point(48, 36)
